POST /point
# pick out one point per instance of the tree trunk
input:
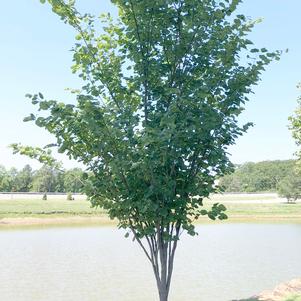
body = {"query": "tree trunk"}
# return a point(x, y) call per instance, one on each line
point(161, 254)
point(163, 294)
point(163, 287)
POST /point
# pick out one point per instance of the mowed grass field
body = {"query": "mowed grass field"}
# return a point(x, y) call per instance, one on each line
point(40, 208)
point(239, 208)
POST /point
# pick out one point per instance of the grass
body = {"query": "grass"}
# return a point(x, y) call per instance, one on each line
point(18, 209)
point(264, 210)
point(50, 208)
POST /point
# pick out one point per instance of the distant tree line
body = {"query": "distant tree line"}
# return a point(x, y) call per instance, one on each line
point(266, 176)
point(45, 179)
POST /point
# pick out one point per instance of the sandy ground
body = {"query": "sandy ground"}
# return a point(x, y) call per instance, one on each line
point(58, 221)
point(19, 222)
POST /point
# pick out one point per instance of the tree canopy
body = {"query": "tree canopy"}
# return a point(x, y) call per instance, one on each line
point(290, 187)
point(257, 177)
point(163, 87)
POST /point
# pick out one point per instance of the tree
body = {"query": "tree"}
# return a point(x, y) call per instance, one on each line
point(254, 177)
point(5, 181)
point(47, 179)
point(13, 180)
point(23, 179)
point(12, 175)
point(73, 180)
point(164, 86)
point(290, 187)
point(295, 126)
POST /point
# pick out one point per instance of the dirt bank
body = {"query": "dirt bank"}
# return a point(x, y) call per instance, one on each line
point(37, 221)
point(285, 291)
point(282, 291)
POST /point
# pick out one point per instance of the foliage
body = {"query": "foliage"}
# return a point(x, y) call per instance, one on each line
point(295, 126)
point(73, 180)
point(290, 187)
point(42, 155)
point(5, 179)
point(14, 180)
point(23, 179)
point(164, 86)
point(257, 177)
point(44, 179)
point(47, 179)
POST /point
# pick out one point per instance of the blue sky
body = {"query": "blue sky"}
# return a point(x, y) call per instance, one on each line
point(35, 56)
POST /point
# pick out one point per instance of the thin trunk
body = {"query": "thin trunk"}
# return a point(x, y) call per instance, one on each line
point(163, 293)
point(161, 255)
point(166, 250)
point(162, 284)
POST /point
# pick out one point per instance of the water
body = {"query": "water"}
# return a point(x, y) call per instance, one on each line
point(223, 263)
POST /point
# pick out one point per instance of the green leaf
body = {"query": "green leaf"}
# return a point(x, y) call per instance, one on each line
point(31, 117)
point(85, 176)
point(222, 207)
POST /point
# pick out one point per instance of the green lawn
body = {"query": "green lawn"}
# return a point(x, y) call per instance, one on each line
point(49, 208)
point(262, 210)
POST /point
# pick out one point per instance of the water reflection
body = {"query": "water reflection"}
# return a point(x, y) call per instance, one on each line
point(225, 262)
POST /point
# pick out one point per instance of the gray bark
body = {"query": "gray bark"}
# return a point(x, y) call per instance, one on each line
point(161, 255)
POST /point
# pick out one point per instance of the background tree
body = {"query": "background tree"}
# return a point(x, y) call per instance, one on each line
point(12, 175)
point(5, 181)
point(257, 177)
point(24, 179)
point(295, 126)
point(50, 177)
point(13, 180)
point(73, 180)
point(290, 187)
point(164, 85)
point(47, 179)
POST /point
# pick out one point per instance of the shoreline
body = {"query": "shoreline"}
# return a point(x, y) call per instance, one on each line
point(17, 222)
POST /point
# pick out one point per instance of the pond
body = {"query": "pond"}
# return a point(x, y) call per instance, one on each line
point(224, 262)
